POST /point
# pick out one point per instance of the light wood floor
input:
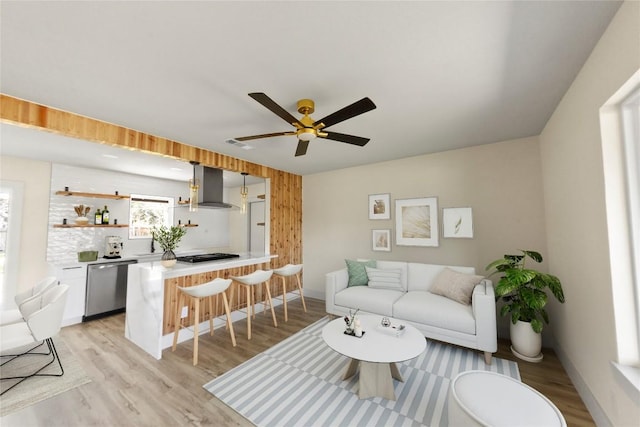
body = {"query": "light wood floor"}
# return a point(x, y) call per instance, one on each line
point(130, 388)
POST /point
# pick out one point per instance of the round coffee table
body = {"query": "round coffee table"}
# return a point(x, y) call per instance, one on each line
point(376, 353)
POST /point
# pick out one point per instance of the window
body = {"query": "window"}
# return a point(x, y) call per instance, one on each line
point(146, 212)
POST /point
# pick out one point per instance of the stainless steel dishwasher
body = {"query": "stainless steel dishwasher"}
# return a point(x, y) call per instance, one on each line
point(106, 289)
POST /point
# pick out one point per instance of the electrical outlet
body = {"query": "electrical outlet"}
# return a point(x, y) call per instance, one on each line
point(185, 312)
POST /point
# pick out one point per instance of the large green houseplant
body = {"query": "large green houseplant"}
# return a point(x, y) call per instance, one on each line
point(523, 292)
point(168, 239)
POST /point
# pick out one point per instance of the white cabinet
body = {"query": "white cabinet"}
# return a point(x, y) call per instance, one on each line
point(76, 278)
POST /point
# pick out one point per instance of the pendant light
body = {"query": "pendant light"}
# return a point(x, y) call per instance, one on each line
point(244, 192)
point(194, 186)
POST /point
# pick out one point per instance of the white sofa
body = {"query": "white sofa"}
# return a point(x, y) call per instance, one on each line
point(436, 316)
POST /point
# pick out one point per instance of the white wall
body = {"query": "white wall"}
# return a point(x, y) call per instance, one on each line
point(35, 176)
point(501, 182)
point(572, 167)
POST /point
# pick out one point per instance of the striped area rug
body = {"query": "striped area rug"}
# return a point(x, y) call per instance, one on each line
point(298, 382)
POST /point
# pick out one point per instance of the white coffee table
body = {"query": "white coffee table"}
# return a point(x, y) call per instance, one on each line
point(376, 353)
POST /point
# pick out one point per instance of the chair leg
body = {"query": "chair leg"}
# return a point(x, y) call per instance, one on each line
point(54, 357)
point(229, 323)
point(284, 297)
point(273, 313)
point(30, 351)
point(178, 320)
point(301, 294)
point(196, 322)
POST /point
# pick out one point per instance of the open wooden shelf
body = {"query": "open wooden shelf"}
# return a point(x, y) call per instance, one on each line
point(95, 195)
point(90, 225)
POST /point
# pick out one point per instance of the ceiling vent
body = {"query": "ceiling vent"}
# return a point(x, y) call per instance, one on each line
point(239, 144)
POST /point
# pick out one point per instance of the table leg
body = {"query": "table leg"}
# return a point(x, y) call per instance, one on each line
point(376, 381)
point(351, 369)
point(395, 372)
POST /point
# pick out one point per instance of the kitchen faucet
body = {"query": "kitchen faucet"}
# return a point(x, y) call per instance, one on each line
point(153, 248)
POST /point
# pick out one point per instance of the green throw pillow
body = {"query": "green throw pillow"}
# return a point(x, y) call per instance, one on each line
point(357, 273)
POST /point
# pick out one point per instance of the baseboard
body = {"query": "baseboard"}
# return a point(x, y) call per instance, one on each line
point(594, 408)
point(313, 294)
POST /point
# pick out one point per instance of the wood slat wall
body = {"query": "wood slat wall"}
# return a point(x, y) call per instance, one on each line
point(286, 188)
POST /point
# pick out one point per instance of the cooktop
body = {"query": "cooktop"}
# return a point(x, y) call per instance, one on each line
point(206, 257)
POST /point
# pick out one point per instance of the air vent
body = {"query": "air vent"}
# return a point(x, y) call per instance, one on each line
point(239, 144)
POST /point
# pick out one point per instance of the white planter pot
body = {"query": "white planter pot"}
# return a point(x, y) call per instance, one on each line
point(525, 342)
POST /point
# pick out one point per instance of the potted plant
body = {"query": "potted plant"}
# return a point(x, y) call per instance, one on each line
point(168, 239)
point(523, 291)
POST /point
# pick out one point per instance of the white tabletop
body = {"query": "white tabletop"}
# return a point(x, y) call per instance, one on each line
point(374, 346)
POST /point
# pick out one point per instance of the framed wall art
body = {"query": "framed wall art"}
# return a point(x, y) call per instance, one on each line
point(379, 206)
point(457, 223)
point(381, 240)
point(417, 222)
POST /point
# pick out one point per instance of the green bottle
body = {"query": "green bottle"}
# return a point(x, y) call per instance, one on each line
point(97, 219)
point(105, 215)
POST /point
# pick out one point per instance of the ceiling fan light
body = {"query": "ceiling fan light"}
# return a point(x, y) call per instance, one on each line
point(306, 134)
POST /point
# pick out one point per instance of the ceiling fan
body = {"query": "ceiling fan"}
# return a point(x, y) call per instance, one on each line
point(308, 129)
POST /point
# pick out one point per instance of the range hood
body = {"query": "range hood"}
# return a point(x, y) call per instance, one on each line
point(211, 187)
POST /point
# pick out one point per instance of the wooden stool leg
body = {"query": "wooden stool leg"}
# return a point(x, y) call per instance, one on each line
point(176, 329)
point(273, 313)
point(301, 295)
point(284, 297)
point(229, 323)
point(248, 312)
point(196, 321)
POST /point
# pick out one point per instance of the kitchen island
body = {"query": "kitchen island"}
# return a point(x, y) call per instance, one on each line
point(152, 297)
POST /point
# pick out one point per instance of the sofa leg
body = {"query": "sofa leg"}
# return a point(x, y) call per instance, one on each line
point(487, 357)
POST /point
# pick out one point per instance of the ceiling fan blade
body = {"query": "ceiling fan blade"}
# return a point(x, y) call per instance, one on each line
point(302, 148)
point(355, 109)
point(264, 135)
point(271, 105)
point(349, 139)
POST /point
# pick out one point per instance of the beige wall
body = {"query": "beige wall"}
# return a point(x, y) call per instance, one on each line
point(36, 178)
point(576, 221)
point(501, 182)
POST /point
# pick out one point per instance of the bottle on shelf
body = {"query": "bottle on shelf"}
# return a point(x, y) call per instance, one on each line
point(105, 215)
point(97, 219)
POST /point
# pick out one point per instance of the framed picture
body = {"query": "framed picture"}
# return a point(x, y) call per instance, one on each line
point(417, 222)
point(457, 223)
point(379, 206)
point(381, 240)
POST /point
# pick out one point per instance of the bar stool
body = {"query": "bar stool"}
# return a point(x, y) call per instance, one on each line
point(283, 273)
point(206, 290)
point(248, 282)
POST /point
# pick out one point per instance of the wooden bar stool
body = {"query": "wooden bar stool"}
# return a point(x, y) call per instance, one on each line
point(248, 282)
point(206, 290)
point(283, 273)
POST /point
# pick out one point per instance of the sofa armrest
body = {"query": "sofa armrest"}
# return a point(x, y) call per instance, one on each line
point(483, 302)
point(335, 282)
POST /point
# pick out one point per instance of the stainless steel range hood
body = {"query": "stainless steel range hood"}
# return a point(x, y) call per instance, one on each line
point(210, 192)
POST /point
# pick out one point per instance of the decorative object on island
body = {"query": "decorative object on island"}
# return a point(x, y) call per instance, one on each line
point(168, 239)
point(381, 240)
point(523, 292)
point(194, 186)
point(82, 211)
point(417, 222)
point(379, 206)
point(244, 193)
point(457, 223)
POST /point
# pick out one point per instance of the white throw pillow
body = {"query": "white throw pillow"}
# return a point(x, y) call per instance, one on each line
point(384, 278)
point(455, 286)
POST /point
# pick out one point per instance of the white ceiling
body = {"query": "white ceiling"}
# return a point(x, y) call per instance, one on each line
point(444, 75)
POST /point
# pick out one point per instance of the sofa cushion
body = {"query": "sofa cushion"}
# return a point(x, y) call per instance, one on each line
point(396, 265)
point(357, 272)
point(421, 276)
point(370, 300)
point(435, 310)
point(455, 286)
point(388, 278)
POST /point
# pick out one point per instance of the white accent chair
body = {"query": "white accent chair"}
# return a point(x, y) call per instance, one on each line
point(284, 272)
point(42, 321)
point(206, 290)
point(10, 316)
point(249, 282)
